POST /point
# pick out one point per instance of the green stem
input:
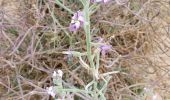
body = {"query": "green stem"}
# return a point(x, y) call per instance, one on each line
point(88, 34)
point(88, 44)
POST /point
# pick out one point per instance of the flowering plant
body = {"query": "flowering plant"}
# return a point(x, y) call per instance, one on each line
point(77, 21)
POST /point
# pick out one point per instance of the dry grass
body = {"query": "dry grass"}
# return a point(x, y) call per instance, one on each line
point(35, 32)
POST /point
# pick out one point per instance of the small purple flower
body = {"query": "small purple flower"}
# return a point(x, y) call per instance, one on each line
point(77, 21)
point(97, 1)
point(104, 49)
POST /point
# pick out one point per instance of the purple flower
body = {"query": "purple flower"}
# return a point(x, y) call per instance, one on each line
point(104, 49)
point(96, 1)
point(77, 21)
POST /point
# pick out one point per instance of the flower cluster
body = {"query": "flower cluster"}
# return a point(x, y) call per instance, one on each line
point(51, 90)
point(78, 18)
point(77, 21)
point(58, 73)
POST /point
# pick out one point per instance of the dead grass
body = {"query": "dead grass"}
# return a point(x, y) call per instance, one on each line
point(34, 33)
